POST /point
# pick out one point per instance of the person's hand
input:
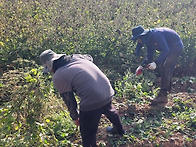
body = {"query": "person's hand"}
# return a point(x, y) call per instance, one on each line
point(76, 122)
point(152, 66)
point(139, 70)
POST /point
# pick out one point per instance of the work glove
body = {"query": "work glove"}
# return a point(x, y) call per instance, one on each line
point(139, 70)
point(152, 66)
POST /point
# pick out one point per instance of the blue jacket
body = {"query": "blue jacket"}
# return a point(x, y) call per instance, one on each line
point(163, 40)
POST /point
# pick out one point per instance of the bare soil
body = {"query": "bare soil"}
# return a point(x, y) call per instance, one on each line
point(177, 139)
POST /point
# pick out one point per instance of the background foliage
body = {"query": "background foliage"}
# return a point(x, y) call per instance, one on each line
point(100, 28)
point(33, 114)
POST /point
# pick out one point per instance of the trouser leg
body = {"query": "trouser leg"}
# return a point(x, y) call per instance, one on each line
point(89, 121)
point(167, 70)
point(112, 114)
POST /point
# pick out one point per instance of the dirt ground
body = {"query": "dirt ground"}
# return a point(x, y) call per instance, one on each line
point(177, 138)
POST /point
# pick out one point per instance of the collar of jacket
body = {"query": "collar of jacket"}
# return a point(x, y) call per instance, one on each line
point(145, 39)
point(61, 62)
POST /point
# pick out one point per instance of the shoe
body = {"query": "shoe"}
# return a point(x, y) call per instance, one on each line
point(113, 130)
point(161, 98)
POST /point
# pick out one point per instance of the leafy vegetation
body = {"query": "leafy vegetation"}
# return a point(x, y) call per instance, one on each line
point(31, 111)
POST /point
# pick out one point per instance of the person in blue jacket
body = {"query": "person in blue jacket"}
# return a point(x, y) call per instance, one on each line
point(168, 43)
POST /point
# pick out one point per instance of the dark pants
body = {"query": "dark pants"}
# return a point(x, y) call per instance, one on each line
point(89, 121)
point(167, 69)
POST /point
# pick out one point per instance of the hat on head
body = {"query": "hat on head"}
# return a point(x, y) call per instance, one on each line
point(138, 31)
point(47, 57)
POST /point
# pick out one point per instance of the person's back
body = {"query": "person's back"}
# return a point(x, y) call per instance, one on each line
point(87, 81)
point(169, 35)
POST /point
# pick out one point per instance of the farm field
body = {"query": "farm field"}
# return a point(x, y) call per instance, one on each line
point(32, 113)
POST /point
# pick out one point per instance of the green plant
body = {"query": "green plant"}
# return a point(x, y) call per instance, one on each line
point(136, 87)
point(32, 114)
point(24, 118)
